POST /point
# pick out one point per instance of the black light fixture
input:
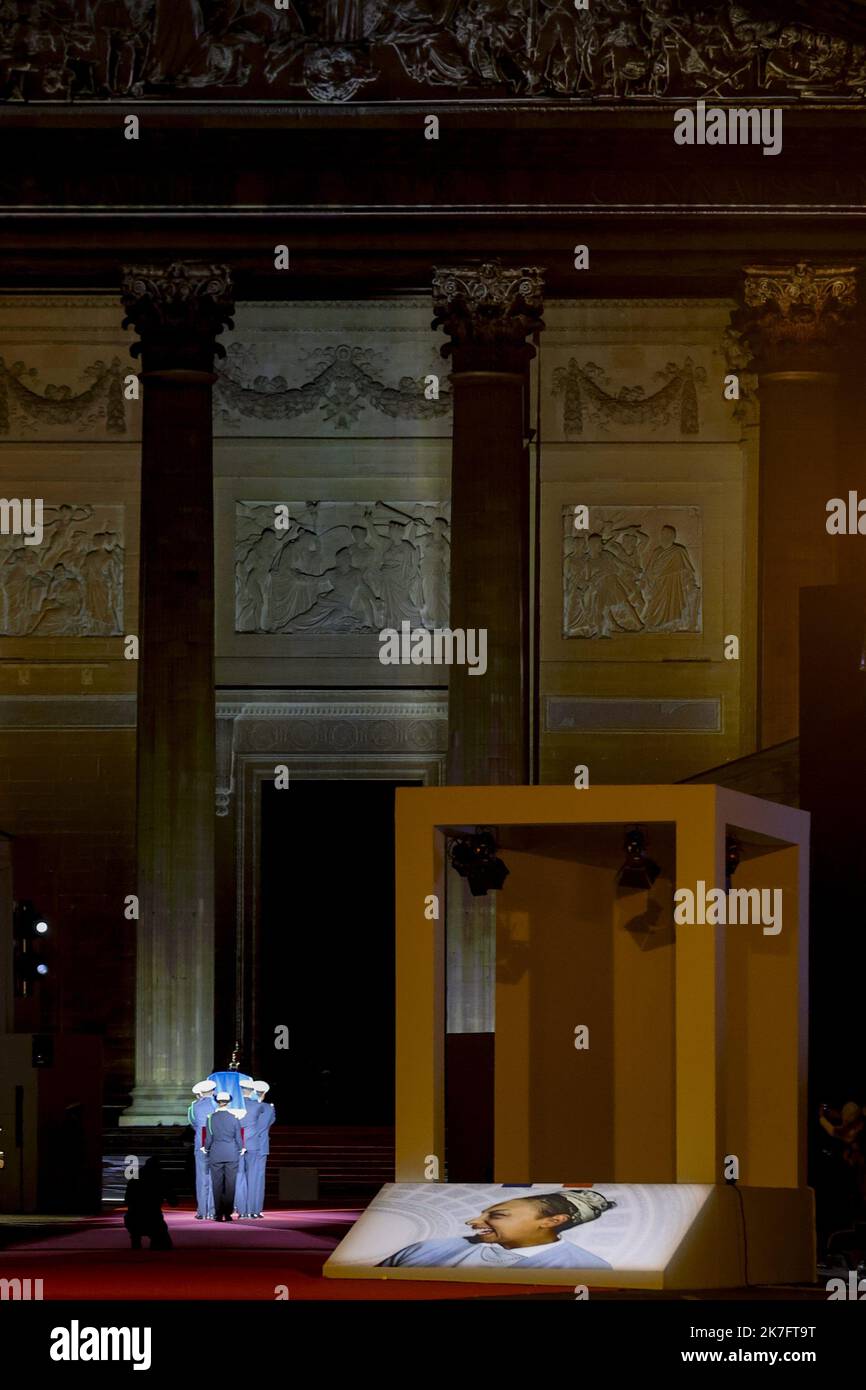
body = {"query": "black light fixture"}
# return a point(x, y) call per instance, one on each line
point(733, 855)
point(474, 858)
point(638, 871)
point(29, 930)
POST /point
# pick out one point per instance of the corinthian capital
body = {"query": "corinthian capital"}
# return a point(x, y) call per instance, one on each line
point(796, 316)
point(178, 309)
point(490, 306)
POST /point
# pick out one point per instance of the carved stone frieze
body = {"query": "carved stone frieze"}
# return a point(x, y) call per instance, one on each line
point(325, 729)
point(584, 395)
point(71, 585)
point(631, 570)
point(342, 385)
point(178, 310)
point(796, 315)
point(341, 567)
point(24, 407)
point(390, 49)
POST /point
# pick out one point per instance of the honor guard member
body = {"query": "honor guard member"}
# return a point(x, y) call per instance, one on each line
point(224, 1148)
point(252, 1119)
point(202, 1106)
point(240, 1181)
point(259, 1164)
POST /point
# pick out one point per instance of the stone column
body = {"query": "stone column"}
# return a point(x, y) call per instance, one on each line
point(178, 310)
point(489, 311)
point(794, 320)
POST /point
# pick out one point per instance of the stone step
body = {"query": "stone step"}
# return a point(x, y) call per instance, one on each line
point(349, 1159)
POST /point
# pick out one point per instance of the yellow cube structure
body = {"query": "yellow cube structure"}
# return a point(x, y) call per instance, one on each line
point(696, 1032)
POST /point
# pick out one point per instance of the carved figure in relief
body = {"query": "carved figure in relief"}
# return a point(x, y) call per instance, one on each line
point(351, 587)
point(574, 586)
point(672, 587)
point(627, 546)
point(618, 580)
point(101, 569)
point(566, 44)
point(22, 587)
point(120, 43)
point(334, 48)
point(296, 579)
point(436, 574)
point(70, 586)
point(335, 572)
point(349, 604)
point(364, 551)
point(63, 606)
point(177, 39)
point(60, 533)
point(606, 598)
point(253, 581)
point(400, 579)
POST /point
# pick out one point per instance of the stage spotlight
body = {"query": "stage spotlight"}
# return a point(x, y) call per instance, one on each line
point(42, 968)
point(41, 928)
point(474, 858)
point(638, 871)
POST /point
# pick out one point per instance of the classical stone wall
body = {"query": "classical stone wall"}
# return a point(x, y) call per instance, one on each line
point(321, 406)
point(637, 437)
point(329, 411)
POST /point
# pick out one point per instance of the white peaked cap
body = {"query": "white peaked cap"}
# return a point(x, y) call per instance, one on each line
point(247, 1085)
point(223, 1095)
point(202, 1087)
point(238, 1114)
point(261, 1086)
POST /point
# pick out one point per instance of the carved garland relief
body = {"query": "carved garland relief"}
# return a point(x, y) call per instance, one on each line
point(342, 383)
point(24, 406)
point(583, 393)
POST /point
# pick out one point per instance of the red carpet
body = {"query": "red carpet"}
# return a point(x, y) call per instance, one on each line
point(244, 1260)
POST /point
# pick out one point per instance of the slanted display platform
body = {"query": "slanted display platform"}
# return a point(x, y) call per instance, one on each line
point(630, 1235)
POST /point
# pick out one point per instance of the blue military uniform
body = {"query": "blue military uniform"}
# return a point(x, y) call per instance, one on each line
point(198, 1115)
point(223, 1144)
point(251, 1125)
point(260, 1157)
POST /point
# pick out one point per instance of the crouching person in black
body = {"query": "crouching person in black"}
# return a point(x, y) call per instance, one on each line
point(144, 1198)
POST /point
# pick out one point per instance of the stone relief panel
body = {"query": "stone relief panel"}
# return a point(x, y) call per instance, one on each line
point(622, 370)
point(72, 584)
point(336, 370)
point(344, 49)
point(588, 395)
point(631, 570)
point(341, 567)
point(343, 385)
point(91, 406)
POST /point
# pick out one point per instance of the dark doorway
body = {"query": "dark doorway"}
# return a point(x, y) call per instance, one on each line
point(327, 950)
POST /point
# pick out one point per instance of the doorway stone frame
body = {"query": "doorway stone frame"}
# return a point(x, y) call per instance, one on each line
point(322, 735)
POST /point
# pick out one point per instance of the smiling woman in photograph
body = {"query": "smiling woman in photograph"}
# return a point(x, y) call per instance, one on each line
point(521, 1230)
